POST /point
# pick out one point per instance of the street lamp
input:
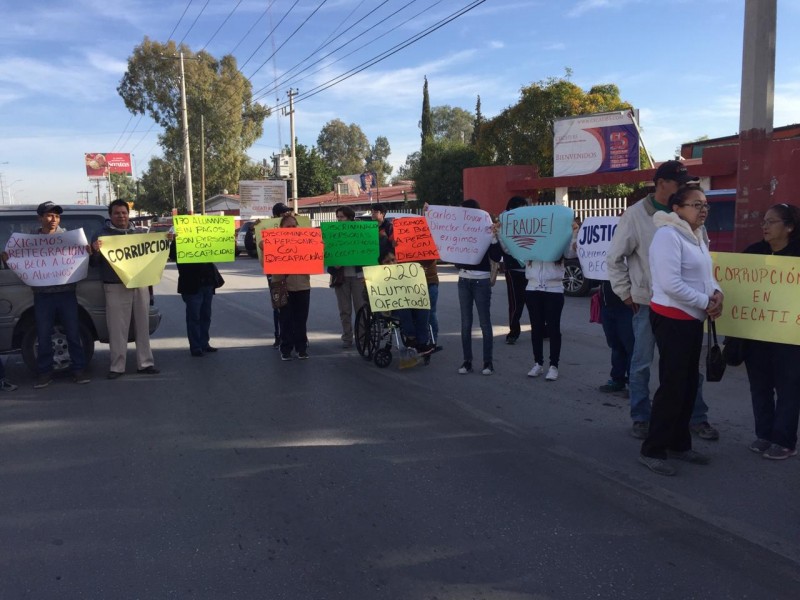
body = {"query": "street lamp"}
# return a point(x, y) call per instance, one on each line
point(10, 191)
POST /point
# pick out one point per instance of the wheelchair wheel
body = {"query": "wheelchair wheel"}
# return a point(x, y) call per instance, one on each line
point(383, 357)
point(363, 332)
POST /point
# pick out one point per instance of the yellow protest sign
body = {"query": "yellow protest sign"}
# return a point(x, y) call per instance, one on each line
point(204, 239)
point(762, 296)
point(138, 259)
point(274, 223)
point(390, 287)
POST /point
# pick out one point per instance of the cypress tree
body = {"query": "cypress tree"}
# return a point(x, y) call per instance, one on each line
point(426, 123)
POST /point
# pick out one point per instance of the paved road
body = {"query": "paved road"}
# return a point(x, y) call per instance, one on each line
point(236, 475)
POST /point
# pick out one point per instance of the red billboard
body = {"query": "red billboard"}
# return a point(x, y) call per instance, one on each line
point(100, 164)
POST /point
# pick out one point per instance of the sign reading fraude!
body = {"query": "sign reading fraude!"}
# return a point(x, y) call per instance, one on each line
point(462, 235)
point(293, 251)
point(204, 239)
point(392, 287)
point(762, 296)
point(594, 238)
point(138, 259)
point(48, 259)
point(350, 243)
point(413, 240)
point(539, 232)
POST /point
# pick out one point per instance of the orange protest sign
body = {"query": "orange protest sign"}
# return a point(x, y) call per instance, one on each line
point(413, 240)
point(293, 251)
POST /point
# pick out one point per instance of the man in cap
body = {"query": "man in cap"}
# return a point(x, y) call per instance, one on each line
point(628, 262)
point(56, 302)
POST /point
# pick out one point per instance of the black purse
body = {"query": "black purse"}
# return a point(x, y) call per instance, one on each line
point(715, 362)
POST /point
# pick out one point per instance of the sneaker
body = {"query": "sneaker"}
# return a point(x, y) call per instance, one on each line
point(656, 465)
point(511, 339)
point(210, 349)
point(488, 368)
point(151, 370)
point(114, 375)
point(42, 381)
point(705, 431)
point(690, 456)
point(286, 356)
point(303, 356)
point(425, 349)
point(760, 446)
point(536, 370)
point(776, 452)
point(347, 345)
point(612, 387)
point(277, 343)
point(552, 373)
point(465, 368)
point(640, 429)
point(80, 377)
point(7, 386)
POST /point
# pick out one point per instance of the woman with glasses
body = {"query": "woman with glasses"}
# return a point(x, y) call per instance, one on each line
point(685, 293)
point(772, 368)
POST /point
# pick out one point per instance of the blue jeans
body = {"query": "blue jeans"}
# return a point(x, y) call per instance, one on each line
point(478, 291)
point(198, 317)
point(414, 323)
point(639, 379)
point(433, 294)
point(61, 306)
point(618, 327)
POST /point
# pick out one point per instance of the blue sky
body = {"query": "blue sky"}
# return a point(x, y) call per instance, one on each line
point(678, 61)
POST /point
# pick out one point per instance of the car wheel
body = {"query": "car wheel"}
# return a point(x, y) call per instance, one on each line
point(61, 360)
point(575, 284)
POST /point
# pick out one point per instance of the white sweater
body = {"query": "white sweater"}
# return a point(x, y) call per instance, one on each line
point(548, 276)
point(680, 266)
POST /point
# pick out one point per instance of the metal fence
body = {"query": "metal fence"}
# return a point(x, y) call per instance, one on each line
point(596, 207)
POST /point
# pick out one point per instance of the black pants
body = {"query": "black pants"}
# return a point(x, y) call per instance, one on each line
point(679, 347)
point(545, 308)
point(515, 288)
point(294, 317)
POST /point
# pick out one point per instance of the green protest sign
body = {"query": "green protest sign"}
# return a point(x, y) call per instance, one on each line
point(350, 243)
point(204, 239)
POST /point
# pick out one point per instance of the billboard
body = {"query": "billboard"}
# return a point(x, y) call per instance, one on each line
point(100, 164)
point(257, 197)
point(595, 144)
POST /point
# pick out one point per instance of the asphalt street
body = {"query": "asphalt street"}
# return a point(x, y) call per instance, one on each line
point(237, 475)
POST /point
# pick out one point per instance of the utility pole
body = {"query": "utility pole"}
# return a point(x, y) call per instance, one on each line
point(85, 194)
point(202, 166)
point(186, 158)
point(292, 93)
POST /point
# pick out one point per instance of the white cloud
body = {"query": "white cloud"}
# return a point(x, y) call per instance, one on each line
point(556, 46)
point(496, 44)
point(584, 6)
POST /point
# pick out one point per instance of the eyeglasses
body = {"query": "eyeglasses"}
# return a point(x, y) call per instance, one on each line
point(698, 206)
point(770, 222)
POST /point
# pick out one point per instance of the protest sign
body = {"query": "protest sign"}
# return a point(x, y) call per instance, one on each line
point(413, 240)
point(762, 296)
point(594, 238)
point(461, 235)
point(137, 259)
point(204, 239)
point(274, 223)
point(392, 287)
point(350, 243)
point(293, 251)
point(48, 259)
point(539, 232)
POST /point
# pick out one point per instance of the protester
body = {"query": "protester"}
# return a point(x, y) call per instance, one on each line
point(385, 226)
point(278, 210)
point(432, 279)
point(544, 297)
point(5, 384)
point(772, 368)
point(197, 283)
point(629, 271)
point(348, 284)
point(294, 316)
point(685, 293)
point(617, 321)
point(475, 287)
point(122, 303)
point(56, 303)
point(515, 282)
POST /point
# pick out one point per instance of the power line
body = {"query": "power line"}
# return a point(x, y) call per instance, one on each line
point(230, 14)
point(202, 10)
point(114, 147)
point(256, 22)
point(268, 36)
point(169, 37)
point(130, 135)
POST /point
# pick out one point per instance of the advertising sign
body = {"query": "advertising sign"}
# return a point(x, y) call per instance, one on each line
point(462, 235)
point(48, 259)
point(594, 238)
point(100, 164)
point(204, 239)
point(391, 287)
point(257, 197)
point(595, 144)
point(539, 232)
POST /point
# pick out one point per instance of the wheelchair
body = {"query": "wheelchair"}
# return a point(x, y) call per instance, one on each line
point(376, 333)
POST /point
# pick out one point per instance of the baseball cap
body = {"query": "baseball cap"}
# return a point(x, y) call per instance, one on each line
point(279, 209)
point(46, 207)
point(675, 171)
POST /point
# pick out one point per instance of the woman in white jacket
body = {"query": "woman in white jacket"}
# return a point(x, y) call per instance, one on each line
point(685, 293)
point(544, 297)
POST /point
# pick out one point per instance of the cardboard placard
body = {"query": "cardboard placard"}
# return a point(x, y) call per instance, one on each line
point(204, 239)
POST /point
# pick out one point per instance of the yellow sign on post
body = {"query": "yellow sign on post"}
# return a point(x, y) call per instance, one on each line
point(138, 259)
point(762, 296)
point(392, 287)
point(204, 239)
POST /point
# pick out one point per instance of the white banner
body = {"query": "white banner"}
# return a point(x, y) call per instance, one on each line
point(48, 259)
point(462, 235)
point(257, 197)
point(594, 238)
point(595, 144)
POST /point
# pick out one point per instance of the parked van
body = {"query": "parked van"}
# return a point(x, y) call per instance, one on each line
point(17, 325)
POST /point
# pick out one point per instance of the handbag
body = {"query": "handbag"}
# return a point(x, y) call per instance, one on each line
point(279, 293)
point(715, 362)
point(595, 316)
point(734, 350)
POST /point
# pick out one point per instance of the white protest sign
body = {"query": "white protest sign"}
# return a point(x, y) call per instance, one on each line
point(594, 238)
point(462, 235)
point(48, 259)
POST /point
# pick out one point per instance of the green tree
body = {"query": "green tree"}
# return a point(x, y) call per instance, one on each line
point(409, 169)
point(477, 123)
point(439, 176)
point(156, 187)
point(426, 121)
point(124, 186)
point(344, 147)
point(314, 175)
point(215, 89)
point(452, 123)
point(377, 159)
